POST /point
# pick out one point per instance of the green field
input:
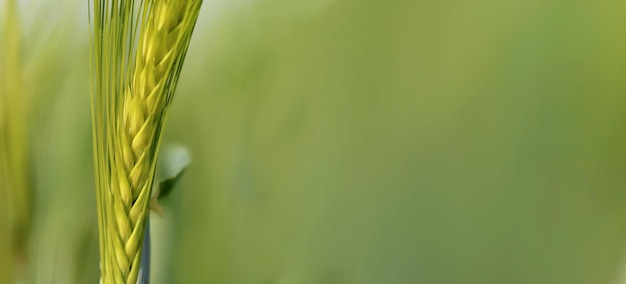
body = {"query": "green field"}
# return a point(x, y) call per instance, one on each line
point(348, 142)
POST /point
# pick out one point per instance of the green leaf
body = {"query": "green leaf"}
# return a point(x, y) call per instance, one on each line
point(175, 161)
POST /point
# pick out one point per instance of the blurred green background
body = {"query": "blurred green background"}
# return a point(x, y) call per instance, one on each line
point(369, 142)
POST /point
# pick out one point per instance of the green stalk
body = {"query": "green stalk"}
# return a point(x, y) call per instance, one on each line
point(14, 190)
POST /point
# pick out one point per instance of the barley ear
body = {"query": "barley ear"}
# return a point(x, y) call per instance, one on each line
point(132, 88)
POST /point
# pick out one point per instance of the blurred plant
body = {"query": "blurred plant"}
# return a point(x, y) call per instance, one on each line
point(16, 193)
point(130, 102)
point(33, 68)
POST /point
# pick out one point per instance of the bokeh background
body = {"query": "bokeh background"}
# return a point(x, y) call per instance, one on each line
point(356, 141)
